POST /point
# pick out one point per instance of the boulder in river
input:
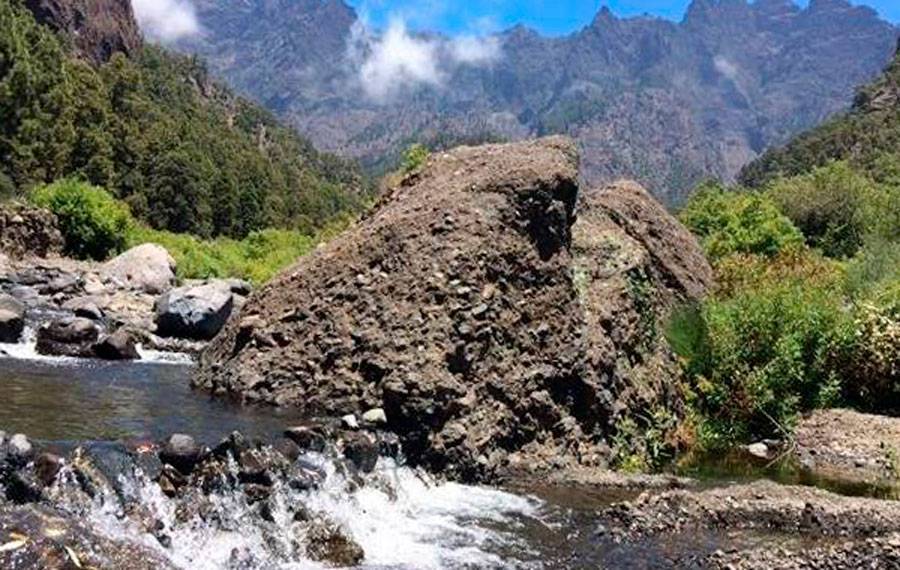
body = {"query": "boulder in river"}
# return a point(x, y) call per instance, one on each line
point(496, 314)
point(194, 312)
point(120, 345)
point(12, 319)
point(68, 337)
point(148, 268)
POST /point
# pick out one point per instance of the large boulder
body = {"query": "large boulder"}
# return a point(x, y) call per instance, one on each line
point(194, 312)
point(68, 337)
point(148, 268)
point(12, 319)
point(491, 328)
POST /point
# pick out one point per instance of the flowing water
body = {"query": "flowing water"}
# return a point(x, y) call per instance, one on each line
point(402, 518)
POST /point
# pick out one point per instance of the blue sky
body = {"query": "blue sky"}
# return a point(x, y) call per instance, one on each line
point(549, 16)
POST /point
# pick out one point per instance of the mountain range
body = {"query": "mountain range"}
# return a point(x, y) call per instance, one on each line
point(667, 103)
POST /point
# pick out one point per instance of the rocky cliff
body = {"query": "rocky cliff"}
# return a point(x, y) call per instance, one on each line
point(494, 325)
point(96, 28)
point(665, 103)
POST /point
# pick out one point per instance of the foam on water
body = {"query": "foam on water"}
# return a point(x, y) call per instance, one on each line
point(401, 518)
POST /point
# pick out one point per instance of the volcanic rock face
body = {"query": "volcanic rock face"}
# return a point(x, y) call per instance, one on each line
point(28, 231)
point(97, 28)
point(470, 306)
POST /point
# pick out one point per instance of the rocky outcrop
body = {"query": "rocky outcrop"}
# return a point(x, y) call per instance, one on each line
point(97, 28)
point(197, 312)
point(492, 329)
point(29, 231)
point(148, 268)
point(12, 319)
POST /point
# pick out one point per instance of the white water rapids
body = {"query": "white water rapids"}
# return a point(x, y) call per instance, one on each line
point(402, 520)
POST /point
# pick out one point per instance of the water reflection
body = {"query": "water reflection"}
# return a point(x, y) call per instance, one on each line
point(97, 400)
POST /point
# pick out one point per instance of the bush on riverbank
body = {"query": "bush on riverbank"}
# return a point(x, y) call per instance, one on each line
point(93, 223)
point(793, 325)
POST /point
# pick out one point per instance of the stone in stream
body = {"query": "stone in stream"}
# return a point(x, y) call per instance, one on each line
point(120, 345)
point(307, 438)
point(362, 450)
point(68, 337)
point(181, 452)
point(86, 308)
point(480, 313)
point(148, 268)
point(46, 467)
point(194, 312)
point(326, 542)
point(12, 319)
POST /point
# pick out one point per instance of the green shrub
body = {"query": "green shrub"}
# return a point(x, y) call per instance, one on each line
point(257, 258)
point(773, 342)
point(92, 222)
point(738, 222)
point(414, 158)
point(873, 379)
point(835, 207)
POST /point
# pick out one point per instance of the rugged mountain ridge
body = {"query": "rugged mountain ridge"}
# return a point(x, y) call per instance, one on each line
point(666, 103)
point(867, 136)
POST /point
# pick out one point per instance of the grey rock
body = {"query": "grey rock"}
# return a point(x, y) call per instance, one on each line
point(148, 268)
point(121, 345)
point(12, 319)
point(20, 447)
point(759, 449)
point(362, 450)
point(75, 337)
point(194, 312)
point(181, 452)
point(375, 417)
point(350, 422)
point(86, 308)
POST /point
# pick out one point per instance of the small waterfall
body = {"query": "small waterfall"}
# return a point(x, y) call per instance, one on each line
point(402, 519)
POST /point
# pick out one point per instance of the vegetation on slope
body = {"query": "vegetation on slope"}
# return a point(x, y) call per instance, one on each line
point(797, 324)
point(182, 151)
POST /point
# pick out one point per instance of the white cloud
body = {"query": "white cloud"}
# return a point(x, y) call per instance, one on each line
point(398, 61)
point(166, 20)
point(726, 68)
point(475, 50)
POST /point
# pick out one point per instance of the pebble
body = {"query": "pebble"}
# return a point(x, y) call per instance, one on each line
point(20, 446)
point(760, 450)
point(350, 422)
point(375, 417)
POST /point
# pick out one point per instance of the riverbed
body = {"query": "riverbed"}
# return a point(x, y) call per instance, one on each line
point(401, 517)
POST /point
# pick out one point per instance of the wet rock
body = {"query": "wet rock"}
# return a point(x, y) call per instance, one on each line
point(20, 449)
point(86, 308)
point(181, 452)
point(12, 319)
point(46, 467)
point(362, 450)
point(290, 450)
point(54, 540)
point(518, 296)
point(307, 438)
point(65, 283)
point(194, 312)
point(121, 345)
point(71, 337)
point(305, 476)
point(148, 268)
point(327, 543)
